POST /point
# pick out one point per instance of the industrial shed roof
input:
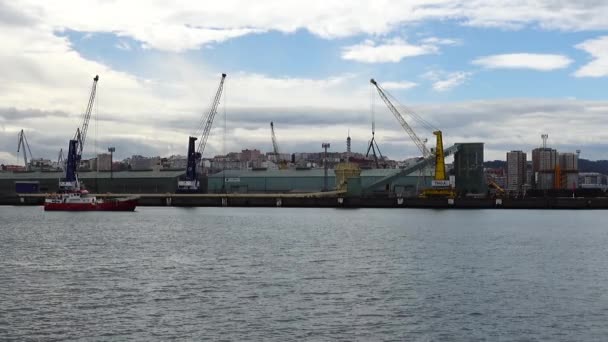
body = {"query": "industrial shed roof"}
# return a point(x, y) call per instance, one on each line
point(273, 173)
point(298, 173)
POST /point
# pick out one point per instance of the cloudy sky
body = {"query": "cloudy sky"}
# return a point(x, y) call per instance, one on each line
point(502, 72)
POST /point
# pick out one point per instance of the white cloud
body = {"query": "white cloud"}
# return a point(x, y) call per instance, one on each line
point(540, 62)
point(444, 81)
point(39, 70)
point(598, 49)
point(188, 24)
point(402, 85)
point(441, 41)
point(391, 51)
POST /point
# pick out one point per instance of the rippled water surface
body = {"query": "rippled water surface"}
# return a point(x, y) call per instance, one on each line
point(278, 274)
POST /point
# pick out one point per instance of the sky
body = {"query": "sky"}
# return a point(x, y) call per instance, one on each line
point(501, 72)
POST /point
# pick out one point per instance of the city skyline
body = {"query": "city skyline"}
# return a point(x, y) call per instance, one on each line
point(307, 69)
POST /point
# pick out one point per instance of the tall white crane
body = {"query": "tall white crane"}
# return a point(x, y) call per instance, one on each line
point(191, 182)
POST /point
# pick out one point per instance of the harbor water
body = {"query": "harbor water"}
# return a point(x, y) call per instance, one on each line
point(280, 274)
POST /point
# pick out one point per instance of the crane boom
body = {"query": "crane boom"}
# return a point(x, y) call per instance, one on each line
point(210, 116)
point(22, 144)
point(385, 97)
point(275, 145)
point(81, 133)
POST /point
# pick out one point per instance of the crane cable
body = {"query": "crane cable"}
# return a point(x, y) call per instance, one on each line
point(410, 112)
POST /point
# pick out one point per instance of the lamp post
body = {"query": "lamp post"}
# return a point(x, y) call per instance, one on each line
point(111, 150)
point(325, 146)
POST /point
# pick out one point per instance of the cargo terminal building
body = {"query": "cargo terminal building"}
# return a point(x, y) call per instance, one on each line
point(231, 181)
point(310, 180)
point(137, 182)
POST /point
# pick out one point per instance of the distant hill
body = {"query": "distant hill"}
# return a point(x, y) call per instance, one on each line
point(584, 165)
point(600, 166)
point(495, 164)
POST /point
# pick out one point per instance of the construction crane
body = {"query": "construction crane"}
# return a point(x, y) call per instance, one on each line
point(76, 146)
point(191, 182)
point(275, 146)
point(441, 186)
point(22, 144)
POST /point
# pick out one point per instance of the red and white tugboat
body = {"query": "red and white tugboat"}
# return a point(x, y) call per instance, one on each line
point(71, 197)
point(82, 201)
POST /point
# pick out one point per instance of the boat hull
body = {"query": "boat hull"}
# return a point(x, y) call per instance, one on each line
point(108, 205)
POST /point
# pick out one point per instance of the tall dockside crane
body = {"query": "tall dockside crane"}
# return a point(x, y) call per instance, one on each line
point(22, 144)
point(275, 146)
point(76, 146)
point(191, 182)
point(441, 186)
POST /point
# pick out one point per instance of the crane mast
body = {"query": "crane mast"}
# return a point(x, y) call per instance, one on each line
point(385, 97)
point(22, 144)
point(191, 182)
point(76, 145)
point(440, 174)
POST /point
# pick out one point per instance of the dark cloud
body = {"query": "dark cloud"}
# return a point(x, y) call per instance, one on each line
point(503, 125)
point(14, 114)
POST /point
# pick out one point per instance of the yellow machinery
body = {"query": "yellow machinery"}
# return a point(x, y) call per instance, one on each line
point(344, 171)
point(440, 186)
point(500, 192)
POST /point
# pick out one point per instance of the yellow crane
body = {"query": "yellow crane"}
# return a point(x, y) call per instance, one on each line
point(440, 186)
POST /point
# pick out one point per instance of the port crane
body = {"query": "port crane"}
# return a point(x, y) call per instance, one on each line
point(23, 145)
point(441, 186)
point(275, 146)
point(191, 182)
point(76, 145)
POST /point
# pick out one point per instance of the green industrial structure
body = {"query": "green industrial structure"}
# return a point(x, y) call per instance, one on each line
point(468, 169)
point(310, 180)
